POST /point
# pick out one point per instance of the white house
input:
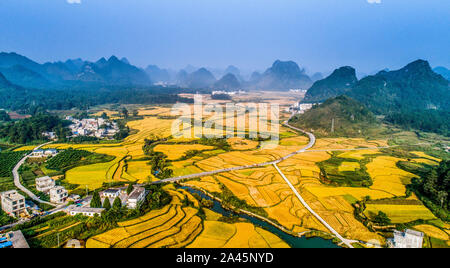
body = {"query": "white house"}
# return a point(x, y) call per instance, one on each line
point(85, 211)
point(58, 195)
point(44, 184)
point(110, 193)
point(50, 152)
point(37, 153)
point(136, 197)
point(13, 203)
point(407, 239)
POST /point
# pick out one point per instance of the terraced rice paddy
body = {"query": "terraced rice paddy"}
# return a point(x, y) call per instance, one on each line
point(263, 187)
point(177, 226)
point(171, 226)
point(237, 235)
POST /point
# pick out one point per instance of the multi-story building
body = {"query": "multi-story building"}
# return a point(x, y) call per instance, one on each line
point(136, 197)
point(58, 195)
point(44, 184)
point(13, 203)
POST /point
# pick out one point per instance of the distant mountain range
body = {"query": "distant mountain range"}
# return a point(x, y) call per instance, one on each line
point(27, 73)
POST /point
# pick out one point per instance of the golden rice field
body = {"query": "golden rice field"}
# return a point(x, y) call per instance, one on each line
point(432, 231)
point(237, 235)
point(401, 213)
point(94, 175)
point(387, 176)
point(263, 187)
point(424, 155)
point(176, 151)
point(349, 166)
point(242, 144)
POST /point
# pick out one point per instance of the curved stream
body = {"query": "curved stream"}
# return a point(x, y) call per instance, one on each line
point(292, 241)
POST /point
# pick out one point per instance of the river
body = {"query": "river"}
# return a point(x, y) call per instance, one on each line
point(292, 241)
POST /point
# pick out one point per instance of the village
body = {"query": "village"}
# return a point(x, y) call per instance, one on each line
point(93, 127)
point(90, 127)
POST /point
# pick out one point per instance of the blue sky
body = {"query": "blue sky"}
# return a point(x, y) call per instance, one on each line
point(318, 34)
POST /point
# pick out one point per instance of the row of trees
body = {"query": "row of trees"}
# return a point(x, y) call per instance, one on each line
point(434, 187)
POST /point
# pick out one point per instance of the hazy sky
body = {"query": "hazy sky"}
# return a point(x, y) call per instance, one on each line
point(250, 34)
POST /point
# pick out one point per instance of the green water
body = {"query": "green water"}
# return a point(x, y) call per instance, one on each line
point(292, 241)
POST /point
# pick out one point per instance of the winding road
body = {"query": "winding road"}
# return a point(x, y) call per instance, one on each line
point(17, 183)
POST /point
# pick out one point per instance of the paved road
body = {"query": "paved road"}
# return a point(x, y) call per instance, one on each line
point(20, 186)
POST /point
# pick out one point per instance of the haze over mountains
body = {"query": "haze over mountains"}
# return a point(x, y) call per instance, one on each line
point(22, 71)
point(415, 96)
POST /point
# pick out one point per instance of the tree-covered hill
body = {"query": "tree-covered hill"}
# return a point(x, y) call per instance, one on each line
point(339, 82)
point(414, 87)
point(350, 117)
point(412, 97)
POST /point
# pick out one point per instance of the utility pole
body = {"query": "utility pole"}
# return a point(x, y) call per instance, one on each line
point(332, 125)
point(58, 239)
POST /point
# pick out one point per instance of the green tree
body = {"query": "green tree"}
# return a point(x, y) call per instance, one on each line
point(96, 202)
point(124, 112)
point(382, 218)
point(106, 204)
point(130, 188)
point(117, 204)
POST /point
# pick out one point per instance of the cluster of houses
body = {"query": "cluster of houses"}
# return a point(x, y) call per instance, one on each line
point(303, 91)
point(58, 194)
point(131, 201)
point(93, 127)
point(231, 93)
point(300, 107)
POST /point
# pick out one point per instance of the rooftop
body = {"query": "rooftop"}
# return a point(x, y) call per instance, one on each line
point(85, 209)
point(13, 195)
point(43, 179)
point(111, 191)
point(136, 193)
